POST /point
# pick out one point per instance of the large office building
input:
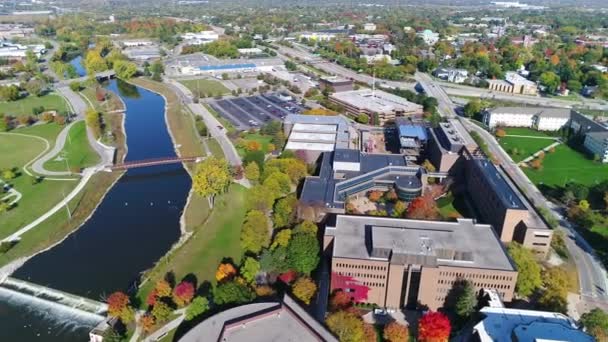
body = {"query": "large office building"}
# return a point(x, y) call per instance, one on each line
point(396, 263)
point(338, 84)
point(542, 119)
point(266, 321)
point(446, 142)
point(379, 105)
point(315, 134)
point(348, 173)
point(219, 67)
point(514, 84)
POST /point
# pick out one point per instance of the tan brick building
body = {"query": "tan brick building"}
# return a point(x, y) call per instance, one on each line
point(397, 263)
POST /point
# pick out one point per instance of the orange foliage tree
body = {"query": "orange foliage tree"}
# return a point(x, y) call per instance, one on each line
point(434, 327)
point(253, 145)
point(423, 207)
point(395, 332)
point(225, 271)
point(147, 322)
point(339, 300)
point(500, 133)
point(374, 196)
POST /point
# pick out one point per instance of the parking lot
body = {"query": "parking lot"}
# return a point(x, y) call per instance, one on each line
point(254, 111)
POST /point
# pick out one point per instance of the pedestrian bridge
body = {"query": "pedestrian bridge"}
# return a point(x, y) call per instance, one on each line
point(37, 294)
point(153, 162)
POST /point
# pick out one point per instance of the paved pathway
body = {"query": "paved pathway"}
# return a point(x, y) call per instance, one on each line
point(546, 149)
point(158, 334)
point(38, 165)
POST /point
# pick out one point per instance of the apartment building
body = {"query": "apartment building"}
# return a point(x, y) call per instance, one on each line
point(514, 84)
point(542, 119)
point(396, 263)
point(380, 106)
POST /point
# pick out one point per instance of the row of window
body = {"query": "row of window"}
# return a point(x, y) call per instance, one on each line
point(475, 284)
point(475, 276)
point(362, 267)
point(371, 284)
point(441, 299)
point(362, 275)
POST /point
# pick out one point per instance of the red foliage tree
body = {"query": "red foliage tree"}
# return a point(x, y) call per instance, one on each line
point(423, 207)
point(100, 94)
point(434, 327)
point(117, 302)
point(183, 293)
point(151, 299)
point(339, 300)
point(288, 276)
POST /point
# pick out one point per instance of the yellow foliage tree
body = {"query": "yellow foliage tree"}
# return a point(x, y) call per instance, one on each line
point(304, 289)
point(225, 271)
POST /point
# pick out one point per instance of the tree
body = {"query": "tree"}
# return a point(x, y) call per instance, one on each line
point(118, 307)
point(252, 171)
point(253, 145)
point(162, 289)
point(363, 118)
point(374, 195)
point(339, 300)
point(595, 322)
point(429, 166)
point(161, 311)
point(225, 271)
point(303, 252)
point(574, 86)
point(423, 207)
point(75, 86)
point(260, 198)
point(94, 63)
point(8, 174)
point(529, 276)
point(146, 322)
point(183, 293)
point(500, 133)
point(232, 292)
point(550, 80)
point(255, 234)
point(466, 301)
point(199, 306)
point(304, 289)
point(434, 327)
point(93, 120)
point(395, 332)
point(125, 69)
point(554, 296)
point(472, 108)
point(35, 87)
point(212, 178)
point(281, 239)
point(9, 93)
point(307, 227)
point(284, 211)
point(250, 269)
point(370, 333)
point(536, 164)
point(347, 326)
point(157, 67)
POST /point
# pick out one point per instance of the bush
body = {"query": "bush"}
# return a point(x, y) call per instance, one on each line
point(5, 246)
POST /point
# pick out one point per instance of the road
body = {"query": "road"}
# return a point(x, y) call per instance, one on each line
point(213, 125)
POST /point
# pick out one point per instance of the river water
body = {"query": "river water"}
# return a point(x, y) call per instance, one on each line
point(133, 227)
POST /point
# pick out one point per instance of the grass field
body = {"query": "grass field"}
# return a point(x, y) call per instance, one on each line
point(526, 131)
point(213, 239)
point(521, 148)
point(264, 140)
point(77, 151)
point(24, 106)
point(567, 165)
point(451, 207)
point(16, 150)
point(215, 148)
point(205, 87)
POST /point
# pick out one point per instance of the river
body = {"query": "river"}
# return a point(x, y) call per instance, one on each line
point(133, 227)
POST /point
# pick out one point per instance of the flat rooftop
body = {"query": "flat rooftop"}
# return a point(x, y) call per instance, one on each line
point(540, 111)
point(453, 136)
point(321, 124)
point(507, 195)
point(429, 243)
point(376, 101)
point(273, 321)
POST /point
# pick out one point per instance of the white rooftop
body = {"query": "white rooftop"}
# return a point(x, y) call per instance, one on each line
point(321, 128)
point(376, 101)
point(319, 137)
point(515, 78)
point(309, 146)
point(501, 324)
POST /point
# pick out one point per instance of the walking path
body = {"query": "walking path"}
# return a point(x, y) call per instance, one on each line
point(158, 334)
point(546, 149)
point(38, 165)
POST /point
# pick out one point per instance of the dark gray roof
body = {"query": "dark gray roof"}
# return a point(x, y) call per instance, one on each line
point(586, 123)
point(496, 180)
point(347, 156)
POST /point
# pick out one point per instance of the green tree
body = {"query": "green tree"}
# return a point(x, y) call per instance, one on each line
point(199, 306)
point(211, 179)
point(75, 86)
point(466, 301)
point(125, 69)
point(595, 322)
point(232, 292)
point(574, 86)
point(260, 198)
point(347, 326)
point(554, 296)
point(304, 289)
point(161, 311)
point(255, 234)
point(550, 80)
point(303, 252)
point(472, 108)
point(529, 275)
point(281, 239)
point(250, 269)
point(284, 211)
point(363, 118)
point(94, 63)
point(307, 227)
point(252, 171)
point(8, 174)
point(4, 207)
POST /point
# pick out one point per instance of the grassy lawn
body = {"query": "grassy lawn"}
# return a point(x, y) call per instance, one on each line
point(264, 140)
point(526, 131)
point(215, 148)
point(77, 151)
point(521, 148)
point(567, 165)
point(16, 150)
point(48, 131)
point(451, 207)
point(205, 87)
point(181, 122)
point(213, 239)
point(24, 106)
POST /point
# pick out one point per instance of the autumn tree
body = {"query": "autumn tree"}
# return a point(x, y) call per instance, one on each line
point(398, 209)
point(339, 300)
point(233, 292)
point(225, 271)
point(434, 327)
point(250, 269)
point(595, 322)
point(284, 211)
point(429, 166)
point(304, 289)
point(125, 69)
point(118, 307)
point(529, 276)
point(260, 198)
point(252, 171)
point(146, 322)
point(161, 311)
point(94, 63)
point(93, 120)
point(374, 195)
point(198, 306)
point(423, 207)
point(347, 326)
point(306, 227)
point(536, 164)
point(500, 133)
point(162, 288)
point(281, 239)
point(554, 295)
point(303, 252)
point(183, 293)
point(395, 332)
point(212, 178)
point(370, 333)
point(255, 232)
